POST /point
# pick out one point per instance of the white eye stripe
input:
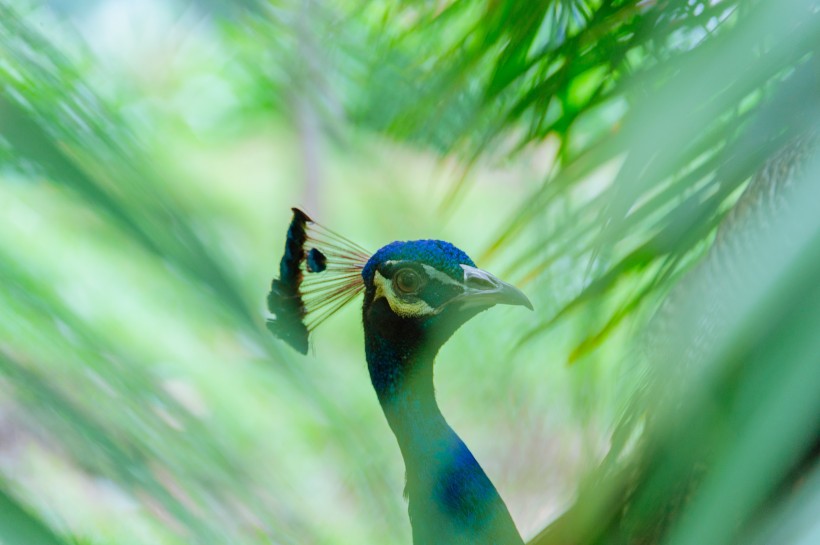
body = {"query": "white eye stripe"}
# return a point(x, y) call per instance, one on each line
point(435, 274)
point(406, 309)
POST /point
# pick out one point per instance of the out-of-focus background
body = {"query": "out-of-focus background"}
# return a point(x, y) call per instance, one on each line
point(645, 171)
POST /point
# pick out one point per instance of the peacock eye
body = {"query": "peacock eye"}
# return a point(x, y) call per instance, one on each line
point(407, 281)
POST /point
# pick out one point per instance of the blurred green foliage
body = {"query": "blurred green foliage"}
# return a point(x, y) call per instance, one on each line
point(586, 150)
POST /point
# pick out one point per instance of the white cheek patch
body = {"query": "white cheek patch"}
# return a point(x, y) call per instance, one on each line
point(414, 308)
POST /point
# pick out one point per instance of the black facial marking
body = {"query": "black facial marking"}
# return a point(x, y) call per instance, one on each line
point(436, 293)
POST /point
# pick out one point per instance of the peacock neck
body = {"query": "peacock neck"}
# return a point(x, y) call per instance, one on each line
point(404, 385)
point(450, 498)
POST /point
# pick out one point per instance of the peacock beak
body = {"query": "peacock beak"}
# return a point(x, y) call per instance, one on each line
point(485, 290)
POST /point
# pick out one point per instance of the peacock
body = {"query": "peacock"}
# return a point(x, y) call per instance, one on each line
point(416, 295)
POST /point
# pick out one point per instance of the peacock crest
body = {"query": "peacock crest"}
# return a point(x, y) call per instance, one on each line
point(319, 273)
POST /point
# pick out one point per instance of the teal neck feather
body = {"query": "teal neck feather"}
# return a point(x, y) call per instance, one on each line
point(450, 498)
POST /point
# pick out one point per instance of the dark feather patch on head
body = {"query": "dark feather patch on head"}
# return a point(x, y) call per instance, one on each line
point(313, 283)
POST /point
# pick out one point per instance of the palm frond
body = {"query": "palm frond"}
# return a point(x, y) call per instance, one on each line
point(696, 98)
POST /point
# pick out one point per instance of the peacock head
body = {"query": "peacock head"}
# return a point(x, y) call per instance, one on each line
point(417, 293)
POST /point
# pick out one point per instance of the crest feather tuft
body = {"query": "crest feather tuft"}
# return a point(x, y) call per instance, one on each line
point(319, 273)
